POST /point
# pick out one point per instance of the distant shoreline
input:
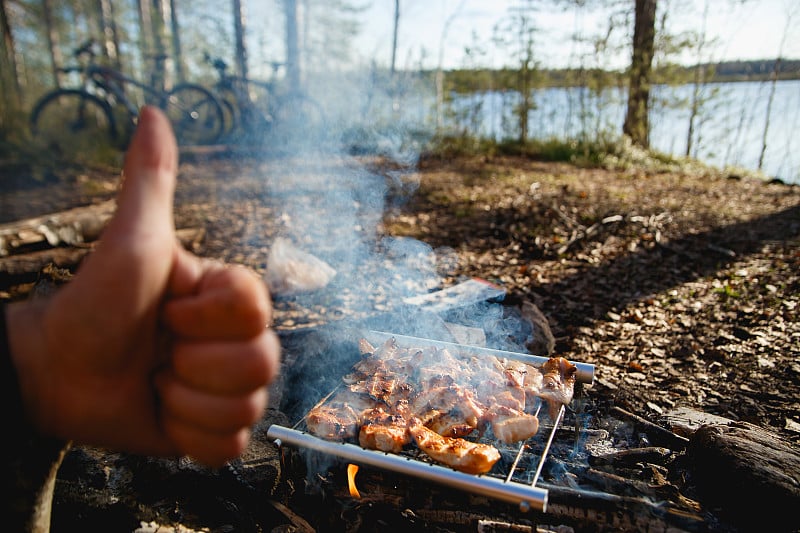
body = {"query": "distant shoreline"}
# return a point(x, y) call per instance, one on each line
point(476, 80)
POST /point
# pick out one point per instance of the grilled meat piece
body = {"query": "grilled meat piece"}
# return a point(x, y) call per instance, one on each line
point(431, 363)
point(386, 360)
point(511, 425)
point(389, 389)
point(333, 422)
point(513, 398)
point(446, 398)
point(383, 430)
point(533, 383)
point(460, 454)
point(340, 417)
point(449, 424)
point(515, 373)
point(558, 383)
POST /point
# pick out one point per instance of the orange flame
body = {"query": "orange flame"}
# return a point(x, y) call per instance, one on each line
point(351, 480)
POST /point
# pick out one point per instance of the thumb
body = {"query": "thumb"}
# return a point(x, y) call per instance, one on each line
point(132, 261)
point(145, 202)
point(101, 331)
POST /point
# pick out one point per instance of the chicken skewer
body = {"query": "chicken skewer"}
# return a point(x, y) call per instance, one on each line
point(397, 396)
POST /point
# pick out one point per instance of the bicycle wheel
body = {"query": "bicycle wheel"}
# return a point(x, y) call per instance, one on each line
point(253, 100)
point(74, 124)
point(298, 122)
point(230, 113)
point(231, 116)
point(195, 113)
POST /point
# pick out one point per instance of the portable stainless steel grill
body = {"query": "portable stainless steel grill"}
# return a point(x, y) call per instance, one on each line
point(502, 487)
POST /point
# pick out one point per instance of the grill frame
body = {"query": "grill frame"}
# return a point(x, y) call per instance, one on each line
point(526, 495)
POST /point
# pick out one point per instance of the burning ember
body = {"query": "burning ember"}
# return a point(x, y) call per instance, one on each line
point(352, 470)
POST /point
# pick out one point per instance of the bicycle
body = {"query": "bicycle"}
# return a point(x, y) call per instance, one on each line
point(259, 110)
point(71, 120)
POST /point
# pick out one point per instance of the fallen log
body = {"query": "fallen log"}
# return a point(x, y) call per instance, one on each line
point(74, 226)
point(749, 473)
point(26, 267)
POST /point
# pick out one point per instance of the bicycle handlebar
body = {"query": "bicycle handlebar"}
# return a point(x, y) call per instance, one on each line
point(220, 65)
point(86, 48)
point(215, 62)
point(67, 70)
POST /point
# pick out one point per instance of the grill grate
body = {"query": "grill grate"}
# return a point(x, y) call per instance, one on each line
point(515, 483)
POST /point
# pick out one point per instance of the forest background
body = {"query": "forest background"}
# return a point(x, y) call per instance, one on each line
point(415, 103)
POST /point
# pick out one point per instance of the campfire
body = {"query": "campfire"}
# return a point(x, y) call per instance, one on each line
point(592, 466)
point(519, 462)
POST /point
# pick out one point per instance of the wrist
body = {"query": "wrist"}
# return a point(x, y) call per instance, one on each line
point(24, 365)
point(31, 459)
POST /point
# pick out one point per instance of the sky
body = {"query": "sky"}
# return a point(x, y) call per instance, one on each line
point(431, 31)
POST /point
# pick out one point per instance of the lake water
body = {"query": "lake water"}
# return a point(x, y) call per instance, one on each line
point(729, 130)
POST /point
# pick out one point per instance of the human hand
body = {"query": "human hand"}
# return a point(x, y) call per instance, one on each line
point(148, 349)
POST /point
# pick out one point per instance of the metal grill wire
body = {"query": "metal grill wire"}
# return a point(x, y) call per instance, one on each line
point(522, 490)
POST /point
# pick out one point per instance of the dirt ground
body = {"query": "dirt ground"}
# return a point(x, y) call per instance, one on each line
point(681, 288)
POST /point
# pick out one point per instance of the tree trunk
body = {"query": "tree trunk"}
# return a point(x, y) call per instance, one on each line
point(292, 46)
point(159, 22)
point(525, 103)
point(439, 79)
point(177, 53)
point(145, 28)
point(56, 59)
point(238, 32)
point(394, 34)
point(770, 100)
point(775, 71)
point(644, 31)
point(9, 83)
point(699, 80)
point(109, 31)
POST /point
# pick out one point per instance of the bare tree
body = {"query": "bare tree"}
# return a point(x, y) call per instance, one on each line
point(440, 66)
point(526, 64)
point(109, 30)
point(328, 35)
point(9, 82)
point(773, 85)
point(56, 59)
point(394, 35)
point(175, 33)
point(145, 25)
point(238, 35)
point(292, 45)
point(700, 75)
point(636, 124)
point(517, 33)
point(158, 19)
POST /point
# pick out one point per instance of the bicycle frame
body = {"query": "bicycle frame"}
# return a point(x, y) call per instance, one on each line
point(114, 82)
point(239, 85)
point(195, 114)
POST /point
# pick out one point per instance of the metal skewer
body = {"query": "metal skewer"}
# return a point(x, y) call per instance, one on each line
point(519, 453)
point(527, 497)
point(547, 445)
